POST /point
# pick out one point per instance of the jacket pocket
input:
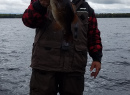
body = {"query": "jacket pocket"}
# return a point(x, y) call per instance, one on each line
point(80, 58)
point(47, 55)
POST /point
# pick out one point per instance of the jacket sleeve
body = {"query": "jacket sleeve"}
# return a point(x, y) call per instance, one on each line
point(94, 39)
point(35, 15)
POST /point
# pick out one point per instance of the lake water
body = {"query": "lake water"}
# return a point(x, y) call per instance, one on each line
point(15, 54)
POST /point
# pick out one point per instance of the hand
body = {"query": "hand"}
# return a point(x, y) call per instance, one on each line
point(97, 65)
point(45, 3)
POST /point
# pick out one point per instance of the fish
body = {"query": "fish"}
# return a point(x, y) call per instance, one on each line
point(63, 13)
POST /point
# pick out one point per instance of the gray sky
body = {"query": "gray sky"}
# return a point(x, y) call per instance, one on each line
point(100, 6)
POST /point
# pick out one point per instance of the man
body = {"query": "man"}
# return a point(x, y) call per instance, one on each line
point(59, 68)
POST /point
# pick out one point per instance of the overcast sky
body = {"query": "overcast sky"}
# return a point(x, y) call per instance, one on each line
point(100, 6)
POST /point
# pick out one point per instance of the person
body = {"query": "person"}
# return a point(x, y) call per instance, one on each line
point(57, 68)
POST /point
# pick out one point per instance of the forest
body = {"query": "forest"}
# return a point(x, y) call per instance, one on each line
point(98, 15)
point(113, 15)
point(10, 15)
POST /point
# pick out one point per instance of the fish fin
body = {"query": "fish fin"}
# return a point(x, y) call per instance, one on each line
point(74, 8)
point(75, 20)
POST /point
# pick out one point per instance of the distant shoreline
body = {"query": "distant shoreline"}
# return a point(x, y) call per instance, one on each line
point(113, 15)
point(98, 15)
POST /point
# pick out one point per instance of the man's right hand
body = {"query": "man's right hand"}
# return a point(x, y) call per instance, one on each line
point(45, 3)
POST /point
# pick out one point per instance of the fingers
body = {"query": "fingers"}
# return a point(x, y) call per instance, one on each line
point(92, 67)
point(97, 66)
point(97, 71)
point(94, 74)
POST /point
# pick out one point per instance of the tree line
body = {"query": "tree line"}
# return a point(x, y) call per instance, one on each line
point(98, 15)
point(10, 15)
point(113, 15)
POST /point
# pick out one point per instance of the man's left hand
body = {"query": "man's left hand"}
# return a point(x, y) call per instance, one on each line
point(97, 66)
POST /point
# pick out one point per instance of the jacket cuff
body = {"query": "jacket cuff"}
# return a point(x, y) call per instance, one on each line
point(39, 8)
point(97, 56)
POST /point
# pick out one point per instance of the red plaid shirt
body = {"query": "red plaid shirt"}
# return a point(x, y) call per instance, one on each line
point(33, 19)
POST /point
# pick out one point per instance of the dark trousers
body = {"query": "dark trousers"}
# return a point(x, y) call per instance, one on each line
point(49, 83)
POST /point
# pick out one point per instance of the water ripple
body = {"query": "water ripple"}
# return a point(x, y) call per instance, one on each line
point(13, 69)
point(124, 63)
point(112, 83)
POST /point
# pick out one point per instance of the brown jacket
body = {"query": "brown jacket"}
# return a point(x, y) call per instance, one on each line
point(48, 53)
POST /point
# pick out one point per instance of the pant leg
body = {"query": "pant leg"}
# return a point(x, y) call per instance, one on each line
point(71, 84)
point(43, 83)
